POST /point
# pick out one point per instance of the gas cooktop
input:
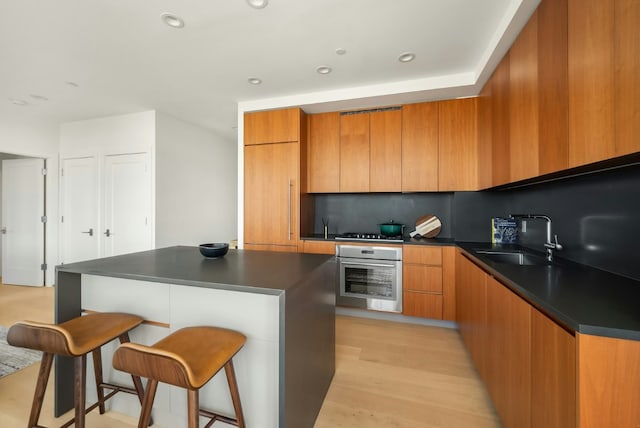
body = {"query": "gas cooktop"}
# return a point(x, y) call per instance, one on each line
point(370, 237)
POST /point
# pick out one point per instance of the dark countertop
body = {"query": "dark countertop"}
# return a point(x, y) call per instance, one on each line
point(583, 299)
point(240, 270)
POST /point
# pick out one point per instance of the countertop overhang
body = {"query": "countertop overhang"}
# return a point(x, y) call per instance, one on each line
point(582, 299)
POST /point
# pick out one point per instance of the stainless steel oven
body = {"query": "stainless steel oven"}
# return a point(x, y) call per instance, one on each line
point(370, 277)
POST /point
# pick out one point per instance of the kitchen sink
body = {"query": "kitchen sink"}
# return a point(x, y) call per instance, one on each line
point(513, 257)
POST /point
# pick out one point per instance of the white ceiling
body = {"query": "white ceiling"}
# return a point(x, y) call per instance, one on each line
point(125, 59)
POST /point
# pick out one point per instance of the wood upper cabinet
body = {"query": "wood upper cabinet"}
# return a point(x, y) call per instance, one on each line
point(385, 145)
point(608, 382)
point(274, 126)
point(324, 153)
point(271, 194)
point(354, 152)
point(553, 374)
point(538, 94)
point(420, 147)
point(458, 167)
point(499, 124)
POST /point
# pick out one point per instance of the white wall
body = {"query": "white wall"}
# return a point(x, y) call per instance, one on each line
point(196, 184)
point(42, 142)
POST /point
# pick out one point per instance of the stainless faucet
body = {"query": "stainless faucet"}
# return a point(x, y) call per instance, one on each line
point(550, 246)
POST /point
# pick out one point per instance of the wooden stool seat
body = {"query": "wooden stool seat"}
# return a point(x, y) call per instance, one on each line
point(75, 338)
point(187, 358)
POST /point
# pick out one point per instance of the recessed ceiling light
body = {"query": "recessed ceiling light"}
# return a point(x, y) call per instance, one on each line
point(323, 69)
point(172, 20)
point(341, 51)
point(254, 80)
point(39, 97)
point(18, 102)
point(74, 84)
point(407, 57)
point(258, 4)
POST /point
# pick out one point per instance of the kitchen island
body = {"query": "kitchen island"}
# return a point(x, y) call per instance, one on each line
point(283, 302)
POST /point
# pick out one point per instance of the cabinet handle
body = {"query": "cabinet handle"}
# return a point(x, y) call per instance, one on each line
point(289, 209)
point(89, 232)
point(3, 230)
point(108, 233)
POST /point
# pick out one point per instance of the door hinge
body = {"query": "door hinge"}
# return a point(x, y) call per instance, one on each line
point(43, 266)
point(44, 171)
point(43, 219)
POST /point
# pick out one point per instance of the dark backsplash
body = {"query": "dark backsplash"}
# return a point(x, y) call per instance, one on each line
point(596, 216)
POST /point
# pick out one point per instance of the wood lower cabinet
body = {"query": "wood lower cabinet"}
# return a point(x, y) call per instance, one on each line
point(553, 374)
point(426, 273)
point(608, 382)
point(318, 247)
point(527, 361)
point(271, 194)
point(509, 354)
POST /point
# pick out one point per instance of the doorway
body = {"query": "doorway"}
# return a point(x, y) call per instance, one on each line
point(23, 222)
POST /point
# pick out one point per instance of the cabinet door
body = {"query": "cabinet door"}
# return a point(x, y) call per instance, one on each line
point(420, 147)
point(553, 374)
point(471, 311)
point(354, 152)
point(591, 82)
point(500, 124)
point(385, 142)
point(458, 145)
point(627, 69)
point(324, 153)
point(319, 247)
point(270, 194)
point(608, 382)
point(127, 204)
point(275, 126)
point(509, 356)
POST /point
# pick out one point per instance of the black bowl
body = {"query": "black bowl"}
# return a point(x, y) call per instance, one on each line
point(213, 251)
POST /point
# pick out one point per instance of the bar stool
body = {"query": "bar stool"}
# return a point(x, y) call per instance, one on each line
point(187, 358)
point(75, 338)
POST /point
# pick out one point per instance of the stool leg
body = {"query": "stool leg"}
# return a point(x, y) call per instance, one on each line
point(147, 404)
point(41, 387)
point(235, 395)
point(193, 401)
point(97, 369)
point(80, 383)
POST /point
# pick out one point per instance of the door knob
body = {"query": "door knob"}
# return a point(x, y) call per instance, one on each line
point(89, 232)
point(108, 233)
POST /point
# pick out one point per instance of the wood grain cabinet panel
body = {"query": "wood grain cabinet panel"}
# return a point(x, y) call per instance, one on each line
point(422, 278)
point(608, 382)
point(354, 152)
point(319, 247)
point(420, 147)
point(324, 153)
point(500, 124)
point(419, 254)
point(591, 80)
point(627, 76)
point(274, 126)
point(458, 145)
point(424, 305)
point(509, 364)
point(553, 374)
point(422, 281)
point(385, 145)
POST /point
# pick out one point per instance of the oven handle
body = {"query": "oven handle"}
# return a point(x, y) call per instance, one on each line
point(390, 265)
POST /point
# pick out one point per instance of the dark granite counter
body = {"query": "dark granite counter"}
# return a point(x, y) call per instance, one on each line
point(248, 271)
point(583, 299)
point(407, 241)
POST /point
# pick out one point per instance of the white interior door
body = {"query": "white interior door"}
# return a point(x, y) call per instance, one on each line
point(79, 199)
point(127, 204)
point(22, 225)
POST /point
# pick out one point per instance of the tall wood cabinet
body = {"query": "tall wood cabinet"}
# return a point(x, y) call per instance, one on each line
point(604, 92)
point(324, 153)
point(274, 177)
point(354, 152)
point(420, 147)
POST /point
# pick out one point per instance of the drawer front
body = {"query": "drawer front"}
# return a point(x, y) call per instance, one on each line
point(319, 247)
point(422, 278)
point(422, 255)
point(423, 305)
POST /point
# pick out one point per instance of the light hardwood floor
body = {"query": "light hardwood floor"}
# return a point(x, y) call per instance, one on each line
point(387, 375)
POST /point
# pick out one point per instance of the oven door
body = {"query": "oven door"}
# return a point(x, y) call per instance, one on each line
point(370, 284)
